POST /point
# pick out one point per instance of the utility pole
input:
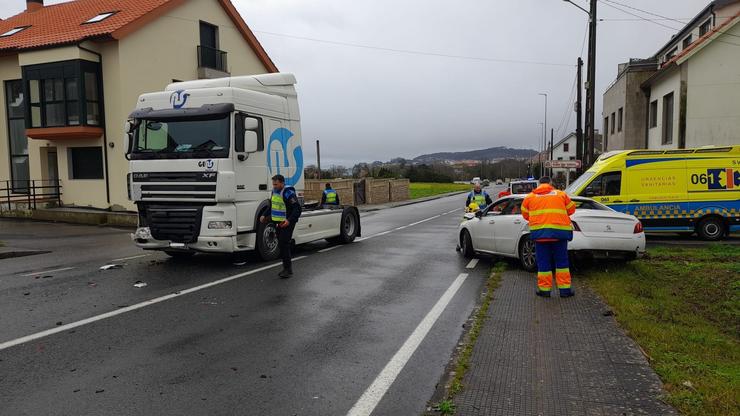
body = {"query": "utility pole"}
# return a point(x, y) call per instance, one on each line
point(579, 115)
point(552, 150)
point(318, 156)
point(591, 85)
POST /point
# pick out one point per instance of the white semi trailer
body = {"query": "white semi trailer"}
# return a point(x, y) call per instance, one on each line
point(201, 157)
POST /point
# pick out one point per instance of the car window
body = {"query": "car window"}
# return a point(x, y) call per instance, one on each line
point(499, 207)
point(522, 188)
point(608, 184)
point(591, 205)
point(514, 208)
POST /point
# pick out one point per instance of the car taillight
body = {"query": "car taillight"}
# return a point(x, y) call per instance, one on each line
point(638, 228)
point(575, 226)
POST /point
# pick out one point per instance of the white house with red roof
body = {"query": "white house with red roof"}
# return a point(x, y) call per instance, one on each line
point(71, 73)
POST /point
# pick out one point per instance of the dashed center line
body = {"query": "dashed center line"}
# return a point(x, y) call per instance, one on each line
point(324, 250)
point(133, 257)
point(472, 264)
point(47, 271)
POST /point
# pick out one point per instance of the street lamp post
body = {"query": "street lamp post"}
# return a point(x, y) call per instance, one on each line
point(544, 129)
point(590, 82)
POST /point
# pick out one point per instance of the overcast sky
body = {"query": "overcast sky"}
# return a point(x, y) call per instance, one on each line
point(368, 104)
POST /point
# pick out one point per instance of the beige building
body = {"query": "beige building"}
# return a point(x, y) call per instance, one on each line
point(691, 96)
point(71, 74)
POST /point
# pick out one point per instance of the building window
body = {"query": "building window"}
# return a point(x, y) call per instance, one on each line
point(85, 162)
point(18, 143)
point(668, 119)
point(12, 32)
point(566, 147)
point(687, 41)
point(63, 94)
point(209, 55)
point(606, 126)
point(620, 116)
point(572, 158)
point(99, 18)
point(671, 54)
point(614, 121)
point(654, 114)
point(705, 27)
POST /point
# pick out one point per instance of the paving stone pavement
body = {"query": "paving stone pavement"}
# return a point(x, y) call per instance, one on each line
point(555, 356)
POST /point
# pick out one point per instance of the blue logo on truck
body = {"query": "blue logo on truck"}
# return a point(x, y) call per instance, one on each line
point(282, 137)
point(178, 99)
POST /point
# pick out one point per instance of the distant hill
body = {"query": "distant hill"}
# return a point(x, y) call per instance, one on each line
point(483, 154)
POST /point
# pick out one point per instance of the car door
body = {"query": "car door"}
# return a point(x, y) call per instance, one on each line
point(483, 229)
point(508, 228)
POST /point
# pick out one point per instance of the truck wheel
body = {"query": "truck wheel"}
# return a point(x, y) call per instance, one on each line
point(349, 227)
point(466, 245)
point(711, 229)
point(176, 254)
point(527, 254)
point(267, 242)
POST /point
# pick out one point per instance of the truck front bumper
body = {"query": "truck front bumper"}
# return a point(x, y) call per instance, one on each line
point(206, 244)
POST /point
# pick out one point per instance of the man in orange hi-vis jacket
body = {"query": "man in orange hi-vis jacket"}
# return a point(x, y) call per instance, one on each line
point(548, 212)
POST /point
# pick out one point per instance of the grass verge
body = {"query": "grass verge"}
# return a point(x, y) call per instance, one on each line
point(462, 360)
point(424, 189)
point(682, 305)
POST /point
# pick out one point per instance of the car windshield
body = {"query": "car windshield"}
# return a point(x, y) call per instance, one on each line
point(582, 204)
point(523, 187)
point(182, 139)
point(579, 183)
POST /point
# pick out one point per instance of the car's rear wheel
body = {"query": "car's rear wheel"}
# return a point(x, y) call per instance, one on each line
point(466, 245)
point(711, 229)
point(527, 256)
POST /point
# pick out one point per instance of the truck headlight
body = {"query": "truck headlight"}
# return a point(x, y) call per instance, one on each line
point(143, 233)
point(219, 225)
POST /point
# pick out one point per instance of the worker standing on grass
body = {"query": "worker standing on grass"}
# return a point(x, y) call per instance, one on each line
point(478, 196)
point(330, 196)
point(285, 211)
point(548, 212)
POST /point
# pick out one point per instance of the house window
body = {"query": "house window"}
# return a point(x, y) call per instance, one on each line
point(671, 54)
point(606, 126)
point(560, 158)
point(85, 162)
point(572, 158)
point(63, 94)
point(209, 55)
point(99, 18)
point(654, 114)
point(614, 121)
point(687, 41)
point(668, 119)
point(12, 32)
point(566, 147)
point(18, 143)
point(620, 116)
point(705, 27)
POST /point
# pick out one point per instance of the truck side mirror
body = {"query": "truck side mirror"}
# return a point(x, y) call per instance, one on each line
point(129, 128)
point(251, 141)
point(251, 124)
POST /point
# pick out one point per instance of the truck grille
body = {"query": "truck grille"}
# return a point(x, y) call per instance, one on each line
point(179, 224)
point(171, 186)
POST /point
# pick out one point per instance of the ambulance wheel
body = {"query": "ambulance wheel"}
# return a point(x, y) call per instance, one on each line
point(711, 229)
point(349, 227)
point(527, 256)
point(267, 241)
point(466, 245)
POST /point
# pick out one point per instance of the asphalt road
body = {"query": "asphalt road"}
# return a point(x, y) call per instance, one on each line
point(208, 337)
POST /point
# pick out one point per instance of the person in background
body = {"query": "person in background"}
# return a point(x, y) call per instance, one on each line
point(284, 213)
point(478, 196)
point(330, 196)
point(548, 212)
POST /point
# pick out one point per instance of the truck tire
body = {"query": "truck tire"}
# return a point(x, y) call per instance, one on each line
point(527, 256)
point(711, 228)
point(466, 245)
point(349, 227)
point(267, 242)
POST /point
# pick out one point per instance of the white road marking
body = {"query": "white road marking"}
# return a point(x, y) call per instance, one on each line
point(132, 257)
point(403, 227)
point(472, 264)
point(372, 396)
point(67, 327)
point(47, 271)
point(324, 250)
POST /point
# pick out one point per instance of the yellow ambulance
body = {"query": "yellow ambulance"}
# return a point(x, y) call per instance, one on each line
point(676, 191)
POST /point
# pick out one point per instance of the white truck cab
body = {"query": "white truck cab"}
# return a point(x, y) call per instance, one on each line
point(201, 158)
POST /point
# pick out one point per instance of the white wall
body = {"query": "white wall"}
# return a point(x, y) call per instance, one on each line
point(671, 82)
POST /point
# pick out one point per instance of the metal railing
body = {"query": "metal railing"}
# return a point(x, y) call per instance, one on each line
point(212, 58)
point(30, 192)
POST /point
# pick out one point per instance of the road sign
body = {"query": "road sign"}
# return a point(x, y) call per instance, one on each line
point(563, 164)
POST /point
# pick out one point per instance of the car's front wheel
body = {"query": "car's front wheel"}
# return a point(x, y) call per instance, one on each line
point(527, 255)
point(466, 245)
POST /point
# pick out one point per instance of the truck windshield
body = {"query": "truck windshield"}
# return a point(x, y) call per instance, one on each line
point(579, 182)
point(182, 139)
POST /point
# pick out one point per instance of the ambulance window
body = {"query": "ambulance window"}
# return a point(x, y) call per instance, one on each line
point(608, 184)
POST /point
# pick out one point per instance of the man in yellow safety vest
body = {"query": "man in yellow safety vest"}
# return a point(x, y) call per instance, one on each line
point(330, 196)
point(284, 213)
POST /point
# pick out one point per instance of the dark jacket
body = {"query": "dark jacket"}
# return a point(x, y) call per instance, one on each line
point(292, 205)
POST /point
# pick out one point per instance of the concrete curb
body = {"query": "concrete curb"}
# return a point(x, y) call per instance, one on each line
point(118, 219)
point(372, 208)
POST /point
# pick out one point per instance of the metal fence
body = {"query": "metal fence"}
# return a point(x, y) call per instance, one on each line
point(212, 58)
point(29, 192)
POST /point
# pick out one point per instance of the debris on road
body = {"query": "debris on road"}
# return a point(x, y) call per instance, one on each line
point(140, 284)
point(92, 284)
point(111, 267)
point(240, 263)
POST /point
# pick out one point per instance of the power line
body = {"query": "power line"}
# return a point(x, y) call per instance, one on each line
point(416, 52)
point(638, 16)
point(683, 20)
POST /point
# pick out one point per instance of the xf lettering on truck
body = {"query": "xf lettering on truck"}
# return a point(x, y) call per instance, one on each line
point(717, 179)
